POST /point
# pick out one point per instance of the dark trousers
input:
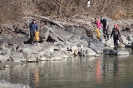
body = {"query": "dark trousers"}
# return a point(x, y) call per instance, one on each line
point(32, 34)
point(115, 43)
point(105, 31)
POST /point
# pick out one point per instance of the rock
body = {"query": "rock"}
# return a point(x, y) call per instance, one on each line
point(16, 57)
point(109, 52)
point(54, 38)
point(44, 33)
point(55, 58)
point(63, 47)
point(56, 55)
point(44, 59)
point(42, 53)
point(71, 29)
point(4, 58)
point(32, 58)
point(109, 43)
point(123, 52)
point(74, 49)
point(74, 38)
point(91, 52)
point(124, 40)
point(118, 52)
point(61, 33)
point(6, 66)
point(97, 46)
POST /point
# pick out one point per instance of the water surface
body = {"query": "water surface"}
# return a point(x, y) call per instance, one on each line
point(78, 72)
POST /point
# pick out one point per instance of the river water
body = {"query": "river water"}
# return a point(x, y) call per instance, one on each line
point(78, 72)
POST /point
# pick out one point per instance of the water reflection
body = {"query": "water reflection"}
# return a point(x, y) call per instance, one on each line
point(78, 72)
point(99, 70)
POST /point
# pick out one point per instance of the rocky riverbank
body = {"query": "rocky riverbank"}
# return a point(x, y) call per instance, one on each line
point(60, 40)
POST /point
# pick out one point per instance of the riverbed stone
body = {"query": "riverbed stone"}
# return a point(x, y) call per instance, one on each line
point(123, 52)
point(110, 52)
point(4, 58)
point(16, 57)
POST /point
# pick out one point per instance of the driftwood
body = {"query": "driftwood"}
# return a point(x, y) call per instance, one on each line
point(49, 20)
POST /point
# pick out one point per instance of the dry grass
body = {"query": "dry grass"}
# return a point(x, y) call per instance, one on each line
point(13, 10)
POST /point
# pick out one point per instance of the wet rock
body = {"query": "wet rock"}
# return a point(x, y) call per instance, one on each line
point(109, 52)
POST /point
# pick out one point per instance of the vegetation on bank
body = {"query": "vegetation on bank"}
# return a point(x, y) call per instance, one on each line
point(13, 10)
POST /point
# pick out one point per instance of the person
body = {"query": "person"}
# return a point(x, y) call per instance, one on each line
point(99, 26)
point(116, 34)
point(105, 27)
point(33, 28)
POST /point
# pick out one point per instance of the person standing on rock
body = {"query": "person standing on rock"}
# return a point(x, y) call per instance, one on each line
point(116, 34)
point(105, 27)
point(33, 28)
point(99, 26)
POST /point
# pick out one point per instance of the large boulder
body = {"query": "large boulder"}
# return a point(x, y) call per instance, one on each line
point(44, 33)
point(97, 46)
point(63, 35)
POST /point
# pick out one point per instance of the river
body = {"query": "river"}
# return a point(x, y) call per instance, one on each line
point(79, 72)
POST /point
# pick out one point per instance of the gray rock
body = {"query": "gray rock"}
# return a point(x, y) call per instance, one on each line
point(44, 58)
point(16, 57)
point(44, 33)
point(110, 52)
point(4, 58)
point(123, 52)
point(74, 38)
point(97, 46)
point(61, 33)
point(6, 66)
point(91, 52)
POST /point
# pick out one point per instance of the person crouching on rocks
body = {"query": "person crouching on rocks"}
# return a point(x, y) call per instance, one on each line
point(116, 34)
point(33, 28)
